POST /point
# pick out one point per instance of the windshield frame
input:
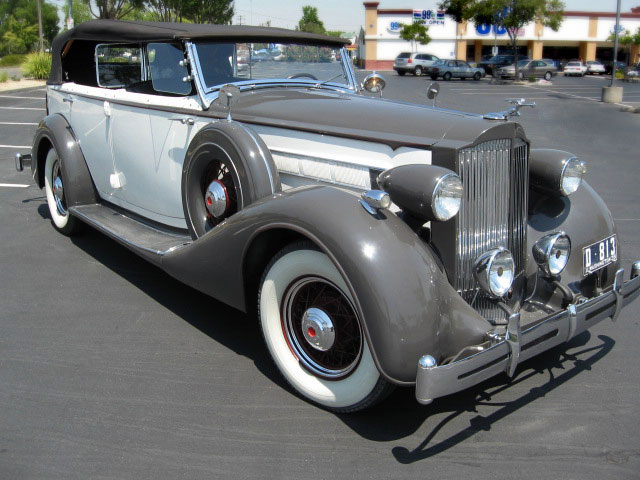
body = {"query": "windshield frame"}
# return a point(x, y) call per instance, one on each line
point(210, 93)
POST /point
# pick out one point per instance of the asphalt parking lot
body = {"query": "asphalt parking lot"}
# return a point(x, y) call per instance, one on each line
point(111, 369)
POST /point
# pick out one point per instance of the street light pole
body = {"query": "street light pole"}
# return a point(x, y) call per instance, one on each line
point(614, 66)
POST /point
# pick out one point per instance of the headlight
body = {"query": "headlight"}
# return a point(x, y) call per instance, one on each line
point(555, 172)
point(447, 197)
point(571, 176)
point(551, 253)
point(494, 271)
point(427, 192)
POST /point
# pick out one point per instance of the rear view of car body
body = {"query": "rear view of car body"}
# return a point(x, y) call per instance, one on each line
point(415, 63)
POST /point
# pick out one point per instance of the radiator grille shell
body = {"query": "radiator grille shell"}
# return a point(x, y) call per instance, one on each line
point(495, 177)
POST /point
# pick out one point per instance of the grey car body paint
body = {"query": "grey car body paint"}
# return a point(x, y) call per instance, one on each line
point(585, 218)
point(78, 185)
point(407, 306)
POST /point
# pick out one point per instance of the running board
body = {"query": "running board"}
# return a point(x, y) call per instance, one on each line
point(147, 240)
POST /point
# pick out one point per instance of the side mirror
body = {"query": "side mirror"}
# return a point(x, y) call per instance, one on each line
point(433, 91)
point(374, 83)
point(226, 95)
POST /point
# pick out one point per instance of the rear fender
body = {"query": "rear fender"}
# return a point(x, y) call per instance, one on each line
point(407, 307)
point(54, 131)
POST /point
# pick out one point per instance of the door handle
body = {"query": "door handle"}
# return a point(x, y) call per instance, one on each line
point(184, 121)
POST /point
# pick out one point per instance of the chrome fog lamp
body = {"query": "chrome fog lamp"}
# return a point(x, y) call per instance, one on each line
point(374, 200)
point(571, 176)
point(551, 253)
point(447, 197)
point(494, 271)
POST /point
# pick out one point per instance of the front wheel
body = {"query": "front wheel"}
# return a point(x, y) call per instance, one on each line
point(547, 76)
point(313, 332)
point(54, 188)
point(476, 76)
point(447, 76)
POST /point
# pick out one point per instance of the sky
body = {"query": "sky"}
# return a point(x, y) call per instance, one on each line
point(348, 15)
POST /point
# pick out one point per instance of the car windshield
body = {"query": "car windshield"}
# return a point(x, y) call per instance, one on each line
point(439, 62)
point(222, 63)
point(573, 64)
point(523, 63)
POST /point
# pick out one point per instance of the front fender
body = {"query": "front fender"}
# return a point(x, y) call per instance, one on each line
point(586, 219)
point(407, 307)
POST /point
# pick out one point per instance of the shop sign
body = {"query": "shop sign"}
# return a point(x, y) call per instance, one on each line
point(429, 17)
point(484, 29)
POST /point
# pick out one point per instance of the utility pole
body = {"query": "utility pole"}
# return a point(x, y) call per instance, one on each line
point(40, 26)
point(614, 66)
point(70, 15)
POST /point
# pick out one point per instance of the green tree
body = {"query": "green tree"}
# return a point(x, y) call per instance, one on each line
point(113, 9)
point(513, 15)
point(24, 12)
point(415, 33)
point(80, 10)
point(210, 11)
point(310, 22)
point(626, 39)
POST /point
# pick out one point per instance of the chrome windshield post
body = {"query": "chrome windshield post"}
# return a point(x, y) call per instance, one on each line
point(348, 69)
point(194, 64)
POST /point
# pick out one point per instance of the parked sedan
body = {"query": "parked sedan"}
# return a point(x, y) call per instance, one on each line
point(448, 69)
point(528, 68)
point(593, 66)
point(575, 68)
point(499, 61)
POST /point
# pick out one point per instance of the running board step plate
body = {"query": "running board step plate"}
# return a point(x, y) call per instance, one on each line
point(132, 233)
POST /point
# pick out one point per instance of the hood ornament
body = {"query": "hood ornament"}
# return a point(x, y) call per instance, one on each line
point(514, 111)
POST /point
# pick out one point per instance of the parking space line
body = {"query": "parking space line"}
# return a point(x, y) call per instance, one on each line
point(26, 98)
point(18, 123)
point(14, 146)
point(14, 185)
point(21, 108)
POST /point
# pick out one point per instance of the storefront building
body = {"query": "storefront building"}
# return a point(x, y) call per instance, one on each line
point(582, 35)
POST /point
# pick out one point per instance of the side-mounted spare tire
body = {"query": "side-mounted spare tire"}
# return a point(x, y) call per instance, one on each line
point(226, 168)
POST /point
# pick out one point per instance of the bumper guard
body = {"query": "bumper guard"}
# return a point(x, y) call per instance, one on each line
point(433, 381)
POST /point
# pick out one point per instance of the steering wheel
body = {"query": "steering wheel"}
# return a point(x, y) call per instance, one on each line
point(300, 75)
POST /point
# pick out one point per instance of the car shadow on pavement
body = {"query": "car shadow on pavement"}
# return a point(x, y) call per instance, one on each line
point(388, 422)
point(232, 328)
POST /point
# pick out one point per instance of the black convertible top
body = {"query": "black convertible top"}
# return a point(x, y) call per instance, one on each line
point(106, 31)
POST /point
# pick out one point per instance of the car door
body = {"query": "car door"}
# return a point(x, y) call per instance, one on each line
point(149, 143)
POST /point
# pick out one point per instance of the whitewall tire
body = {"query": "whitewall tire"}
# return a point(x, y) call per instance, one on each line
point(313, 332)
point(54, 189)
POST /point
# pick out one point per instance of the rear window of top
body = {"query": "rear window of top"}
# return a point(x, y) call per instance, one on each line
point(404, 55)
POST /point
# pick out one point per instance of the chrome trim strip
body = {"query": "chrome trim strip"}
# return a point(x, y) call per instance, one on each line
point(194, 63)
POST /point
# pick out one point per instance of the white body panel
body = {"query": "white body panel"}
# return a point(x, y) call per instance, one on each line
point(136, 154)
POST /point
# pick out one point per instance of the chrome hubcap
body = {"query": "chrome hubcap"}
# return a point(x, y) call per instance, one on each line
point(318, 330)
point(216, 199)
point(321, 328)
point(58, 189)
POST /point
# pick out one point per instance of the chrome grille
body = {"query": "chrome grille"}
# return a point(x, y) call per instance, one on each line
point(492, 214)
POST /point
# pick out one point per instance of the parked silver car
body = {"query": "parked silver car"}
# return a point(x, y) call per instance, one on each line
point(448, 69)
point(415, 63)
point(594, 66)
point(379, 243)
point(528, 68)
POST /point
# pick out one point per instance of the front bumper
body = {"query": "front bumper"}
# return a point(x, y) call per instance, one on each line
point(515, 346)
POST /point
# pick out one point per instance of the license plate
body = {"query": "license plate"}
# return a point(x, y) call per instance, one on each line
point(599, 254)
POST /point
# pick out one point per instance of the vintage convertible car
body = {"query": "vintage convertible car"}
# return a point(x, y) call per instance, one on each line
point(382, 243)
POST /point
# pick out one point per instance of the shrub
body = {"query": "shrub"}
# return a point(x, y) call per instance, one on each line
point(37, 65)
point(531, 78)
point(4, 76)
point(12, 60)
